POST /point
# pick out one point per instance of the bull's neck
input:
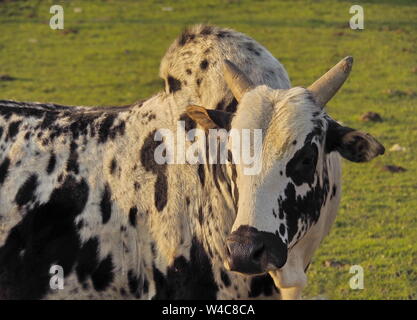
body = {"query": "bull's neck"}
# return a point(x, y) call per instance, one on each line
point(219, 207)
point(194, 201)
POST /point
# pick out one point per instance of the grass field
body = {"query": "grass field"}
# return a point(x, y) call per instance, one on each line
point(109, 54)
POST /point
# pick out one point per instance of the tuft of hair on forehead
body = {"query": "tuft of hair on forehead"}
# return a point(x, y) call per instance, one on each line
point(285, 111)
point(284, 116)
point(292, 119)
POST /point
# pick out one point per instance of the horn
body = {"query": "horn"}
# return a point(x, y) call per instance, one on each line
point(237, 81)
point(328, 84)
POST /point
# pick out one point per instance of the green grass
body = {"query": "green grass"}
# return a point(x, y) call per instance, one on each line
point(110, 52)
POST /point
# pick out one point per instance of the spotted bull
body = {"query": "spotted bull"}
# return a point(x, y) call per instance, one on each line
point(79, 188)
point(69, 196)
point(192, 64)
point(285, 211)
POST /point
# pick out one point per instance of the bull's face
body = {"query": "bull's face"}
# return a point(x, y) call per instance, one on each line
point(278, 205)
point(300, 142)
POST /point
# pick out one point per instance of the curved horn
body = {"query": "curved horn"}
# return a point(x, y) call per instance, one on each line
point(328, 84)
point(237, 81)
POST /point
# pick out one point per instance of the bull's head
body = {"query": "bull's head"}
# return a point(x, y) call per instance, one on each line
point(300, 161)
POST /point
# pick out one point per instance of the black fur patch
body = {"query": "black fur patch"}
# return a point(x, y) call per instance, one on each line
point(282, 229)
point(232, 106)
point(4, 169)
point(186, 280)
point(161, 192)
point(49, 119)
point(222, 119)
point(26, 192)
point(225, 278)
point(262, 285)
point(302, 167)
point(136, 186)
point(13, 129)
point(133, 212)
point(148, 161)
point(148, 116)
point(72, 163)
point(220, 105)
point(134, 284)
point(201, 173)
point(104, 129)
point(223, 34)
point(204, 64)
point(79, 124)
point(103, 276)
point(207, 30)
point(200, 216)
point(46, 235)
point(105, 204)
point(120, 128)
point(145, 285)
point(147, 154)
point(185, 37)
point(113, 166)
point(174, 84)
point(87, 259)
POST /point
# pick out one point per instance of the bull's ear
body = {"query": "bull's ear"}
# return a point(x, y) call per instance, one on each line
point(210, 119)
point(353, 145)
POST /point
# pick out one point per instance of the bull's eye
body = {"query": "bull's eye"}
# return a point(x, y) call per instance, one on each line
point(302, 166)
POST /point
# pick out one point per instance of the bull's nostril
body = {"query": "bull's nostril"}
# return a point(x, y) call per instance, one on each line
point(257, 254)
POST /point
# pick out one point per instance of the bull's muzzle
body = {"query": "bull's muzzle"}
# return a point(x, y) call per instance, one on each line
point(254, 252)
